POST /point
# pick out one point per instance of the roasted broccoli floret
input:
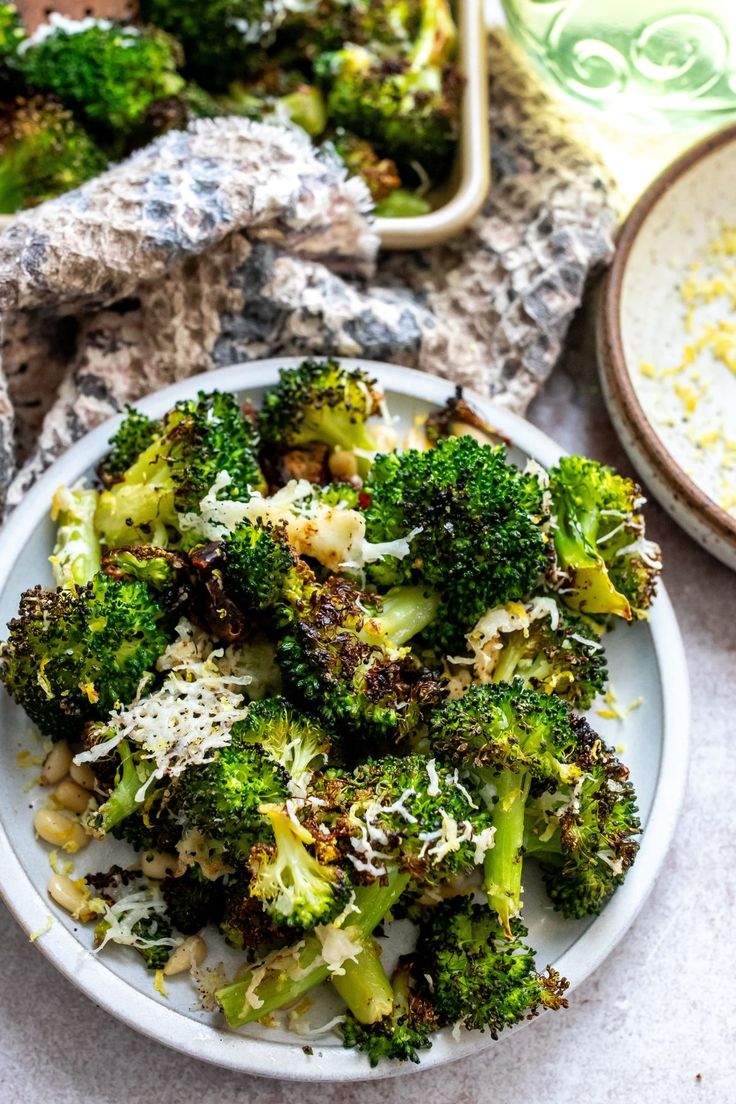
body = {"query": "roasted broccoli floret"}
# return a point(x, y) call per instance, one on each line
point(220, 37)
point(127, 794)
point(302, 104)
point(584, 834)
point(109, 73)
point(408, 107)
point(151, 934)
point(195, 442)
point(287, 974)
point(43, 152)
point(320, 401)
point(193, 901)
point(293, 740)
point(604, 563)
point(162, 571)
point(360, 159)
point(480, 975)
point(245, 924)
point(341, 651)
point(342, 655)
point(457, 418)
point(296, 887)
point(260, 572)
point(541, 644)
point(136, 432)
point(222, 799)
point(507, 735)
point(12, 34)
point(426, 820)
point(402, 1033)
point(73, 656)
point(475, 525)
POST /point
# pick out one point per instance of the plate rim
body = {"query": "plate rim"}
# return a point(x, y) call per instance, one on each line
point(286, 1061)
point(613, 366)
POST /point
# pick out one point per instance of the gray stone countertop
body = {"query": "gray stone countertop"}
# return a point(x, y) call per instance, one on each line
point(656, 1024)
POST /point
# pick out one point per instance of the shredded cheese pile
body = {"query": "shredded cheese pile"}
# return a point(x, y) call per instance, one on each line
point(332, 535)
point(121, 918)
point(183, 722)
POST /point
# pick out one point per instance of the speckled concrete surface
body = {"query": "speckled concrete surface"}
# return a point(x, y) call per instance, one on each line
point(656, 1024)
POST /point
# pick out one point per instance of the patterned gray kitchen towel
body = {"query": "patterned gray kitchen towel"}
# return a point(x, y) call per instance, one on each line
point(234, 240)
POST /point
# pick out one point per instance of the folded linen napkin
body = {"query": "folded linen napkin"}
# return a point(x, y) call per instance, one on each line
point(234, 240)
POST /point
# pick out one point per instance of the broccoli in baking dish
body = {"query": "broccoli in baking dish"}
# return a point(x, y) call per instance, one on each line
point(374, 82)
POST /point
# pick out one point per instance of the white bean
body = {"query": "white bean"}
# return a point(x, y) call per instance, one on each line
point(343, 465)
point(60, 830)
point(158, 864)
point(189, 953)
point(63, 890)
point(71, 796)
point(57, 764)
point(83, 775)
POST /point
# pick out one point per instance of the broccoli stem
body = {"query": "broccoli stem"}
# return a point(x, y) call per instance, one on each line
point(122, 801)
point(76, 556)
point(365, 986)
point(405, 611)
point(276, 988)
point(502, 864)
point(510, 656)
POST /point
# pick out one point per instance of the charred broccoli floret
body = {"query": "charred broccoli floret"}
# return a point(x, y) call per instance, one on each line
point(134, 915)
point(193, 901)
point(541, 644)
point(293, 740)
point(426, 820)
point(508, 735)
point(409, 107)
point(360, 159)
point(301, 104)
point(584, 834)
point(296, 887)
point(320, 401)
point(218, 36)
point(287, 974)
point(136, 432)
point(162, 571)
point(74, 656)
point(605, 565)
point(43, 152)
point(260, 571)
point(245, 924)
point(222, 799)
point(342, 655)
point(195, 442)
point(403, 1032)
point(341, 651)
point(12, 34)
point(109, 73)
point(476, 529)
point(480, 975)
point(127, 794)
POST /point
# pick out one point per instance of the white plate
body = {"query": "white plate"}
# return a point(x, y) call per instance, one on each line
point(646, 659)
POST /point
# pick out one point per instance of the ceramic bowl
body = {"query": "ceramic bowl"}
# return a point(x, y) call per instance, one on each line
point(645, 660)
point(643, 321)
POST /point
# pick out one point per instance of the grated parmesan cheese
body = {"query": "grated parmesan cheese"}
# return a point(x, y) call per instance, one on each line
point(339, 945)
point(332, 535)
point(189, 717)
point(121, 917)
